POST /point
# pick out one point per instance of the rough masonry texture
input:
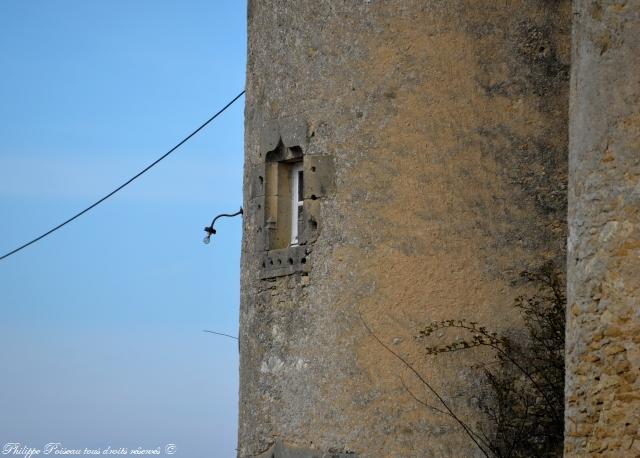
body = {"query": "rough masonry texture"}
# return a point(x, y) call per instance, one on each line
point(437, 133)
point(603, 322)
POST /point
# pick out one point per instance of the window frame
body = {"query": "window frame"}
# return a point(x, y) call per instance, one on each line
point(297, 200)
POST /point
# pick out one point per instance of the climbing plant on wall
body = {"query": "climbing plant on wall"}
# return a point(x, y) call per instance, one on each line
point(523, 403)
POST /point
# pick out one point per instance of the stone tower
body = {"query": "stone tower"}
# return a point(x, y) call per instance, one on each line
point(602, 389)
point(405, 160)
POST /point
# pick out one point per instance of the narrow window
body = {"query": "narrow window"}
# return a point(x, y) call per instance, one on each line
point(297, 200)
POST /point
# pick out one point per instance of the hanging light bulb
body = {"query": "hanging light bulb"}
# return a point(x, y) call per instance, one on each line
point(207, 238)
point(210, 230)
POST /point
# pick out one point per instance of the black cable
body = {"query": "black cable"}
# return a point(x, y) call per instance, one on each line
point(184, 140)
point(220, 334)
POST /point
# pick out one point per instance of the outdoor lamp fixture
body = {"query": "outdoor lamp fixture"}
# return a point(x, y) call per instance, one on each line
point(210, 230)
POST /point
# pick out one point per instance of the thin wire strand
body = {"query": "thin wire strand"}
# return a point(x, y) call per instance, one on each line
point(98, 202)
point(424, 382)
point(220, 334)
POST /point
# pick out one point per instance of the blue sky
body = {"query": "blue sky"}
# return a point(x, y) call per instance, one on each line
point(102, 341)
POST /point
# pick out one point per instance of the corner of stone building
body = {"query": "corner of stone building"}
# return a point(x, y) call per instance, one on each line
point(602, 402)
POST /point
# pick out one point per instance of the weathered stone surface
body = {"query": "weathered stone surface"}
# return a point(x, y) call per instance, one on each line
point(281, 450)
point(446, 125)
point(603, 321)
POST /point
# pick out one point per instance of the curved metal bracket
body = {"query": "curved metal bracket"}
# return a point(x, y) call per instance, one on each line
point(210, 229)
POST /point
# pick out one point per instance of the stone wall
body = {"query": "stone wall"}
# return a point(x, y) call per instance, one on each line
point(603, 322)
point(444, 124)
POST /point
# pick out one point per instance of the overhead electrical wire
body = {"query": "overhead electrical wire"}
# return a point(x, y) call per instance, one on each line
point(126, 183)
point(220, 334)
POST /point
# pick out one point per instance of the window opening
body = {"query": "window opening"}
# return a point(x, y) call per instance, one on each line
point(297, 201)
